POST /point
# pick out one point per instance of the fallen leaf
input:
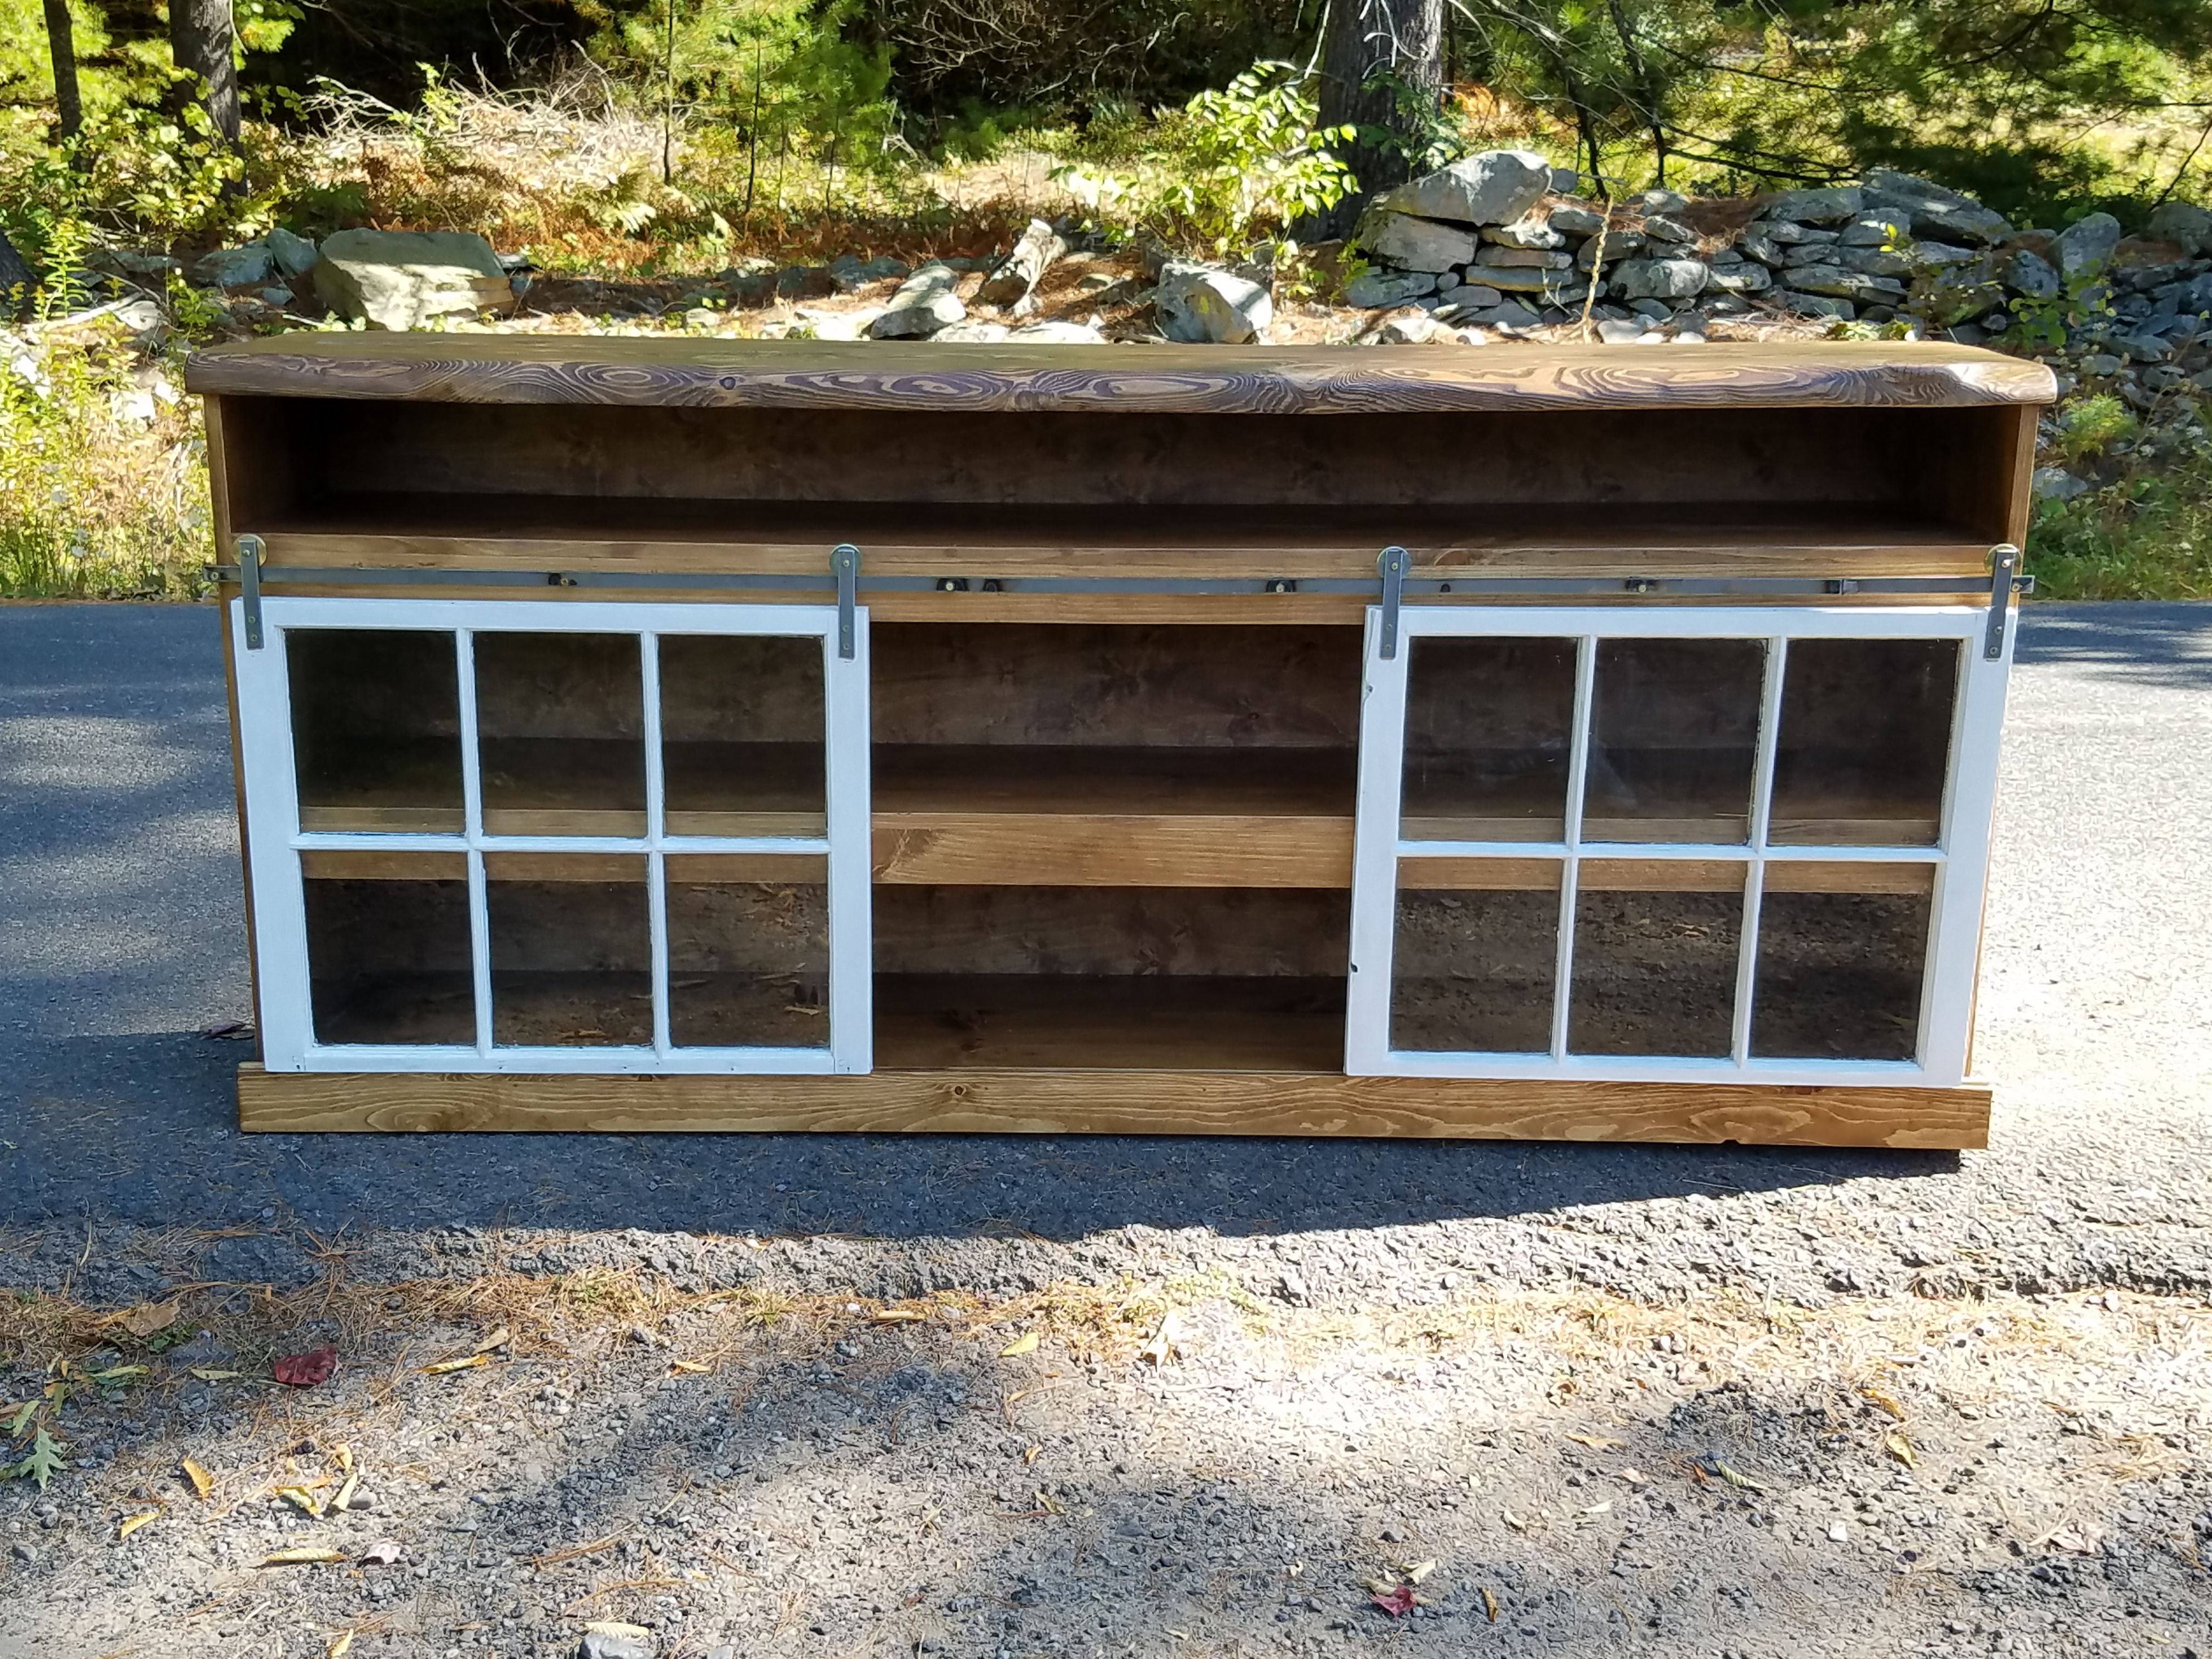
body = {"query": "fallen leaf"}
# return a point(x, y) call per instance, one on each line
point(384, 1553)
point(1490, 1604)
point(344, 1454)
point(306, 1555)
point(1886, 1401)
point(343, 1501)
point(152, 1317)
point(2075, 1540)
point(1901, 1448)
point(1030, 1454)
point(444, 1366)
point(1514, 1521)
point(1025, 1343)
point(691, 1365)
point(1710, 1464)
point(498, 1338)
point(135, 1522)
point(898, 1316)
point(301, 1498)
point(210, 1374)
point(1417, 1571)
point(1598, 1442)
point(116, 1373)
point(1166, 1342)
point(1635, 1477)
point(203, 1482)
point(1397, 1602)
point(227, 1028)
point(1044, 1502)
point(305, 1371)
point(339, 1646)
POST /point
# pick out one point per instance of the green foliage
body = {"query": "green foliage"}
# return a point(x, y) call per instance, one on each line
point(1228, 166)
point(2047, 320)
point(2148, 535)
point(41, 1462)
point(2088, 427)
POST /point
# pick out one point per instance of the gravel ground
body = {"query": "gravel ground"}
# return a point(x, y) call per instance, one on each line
point(1384, 1345)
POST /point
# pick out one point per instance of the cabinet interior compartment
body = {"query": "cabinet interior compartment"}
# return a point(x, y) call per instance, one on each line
point(387, 942)
point(1110, 977)
point(979, 482)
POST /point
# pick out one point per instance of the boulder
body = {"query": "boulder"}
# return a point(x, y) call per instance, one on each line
point(1615, 244)
point(1413, 243)
point(925, 303)
point(1554, 284)
point(1759, 246)
point(1494, 188)
point(2028, 272)
point(2056, 483)
point(1373, 289)
point(1576, 219)
point(1479, 296)
point(1013, 276)
point(1741, 278)
point(1790, 233)
point(1663, 200)
point(295, 256)
point(1527, 258)
point(1936, 256)
point(1533, 230)
point(1881, 229)
point(2087, 245)
point(2183, 223)
point(1200, 303)
point(1661, 279)
point(1829, 205)
point(398, 279)
point(235, 267)
point(1664, 228)
point(849, 272)
point(1841, 283)
point(1933, 209)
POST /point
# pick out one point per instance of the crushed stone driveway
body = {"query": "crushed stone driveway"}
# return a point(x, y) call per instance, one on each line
point(121, 939)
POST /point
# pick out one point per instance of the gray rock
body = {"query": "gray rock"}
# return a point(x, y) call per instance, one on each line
point(399, 279)
point(2101, 363)
point(1199, 303)
point(1372, 290)
point(1759, 246)
point(1565, 181)
point(235, 267)
point(1413, 243)
point(129, 262)
point(972, 331)
point(2056, 483)
point(1479, 295)
point(1415, 330)
point(1525, 259)
point(2144, 348)
point(1511, 316)
point(1792, 234)
point(279, 297)
point(1577, 219)
point(1615, 244)
point(1661, 279)
point(1875, 230)
point(1745, 278)
point(925, 303)
point(2028, 272)
point(1827, 205)
point(1612, 331)
point(1874, 261)
point(1661, 201)
point(1656, 311)
point(1013, 276)
point(1934, 210)
point(1494, 188)
point(1815, 305)
point(616, 1641)
point(1058, 334)
point(1837, 281)
point(2183, 222)
point(1533, 230)
point(2087, 245)
point(1662, 227)
point(1937, 256)
point(1951, 302)
point(1555, 286)
point(294, 255)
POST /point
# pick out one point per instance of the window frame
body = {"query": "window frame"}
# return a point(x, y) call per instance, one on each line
point(1959, 857)
point(275, 841)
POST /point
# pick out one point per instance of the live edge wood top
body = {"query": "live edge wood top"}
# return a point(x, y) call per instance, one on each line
point(518, 369)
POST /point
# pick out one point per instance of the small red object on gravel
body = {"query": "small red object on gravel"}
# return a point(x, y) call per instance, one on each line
point(1398, 1603)
point(304, 1371)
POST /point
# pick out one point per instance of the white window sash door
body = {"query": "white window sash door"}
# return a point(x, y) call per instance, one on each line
point(1959, 859)
point(276, 841)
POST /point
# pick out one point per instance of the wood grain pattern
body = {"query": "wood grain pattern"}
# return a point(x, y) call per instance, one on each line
point(1050, 1102)
point(1111, 849)
point(1347, 379)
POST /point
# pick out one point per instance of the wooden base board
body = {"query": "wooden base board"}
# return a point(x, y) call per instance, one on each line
point(1069, 1102)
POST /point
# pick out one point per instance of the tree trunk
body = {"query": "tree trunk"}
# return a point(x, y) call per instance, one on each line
point(15, 278)
point(200, 41)
point(61, 41)
point(1381, 62)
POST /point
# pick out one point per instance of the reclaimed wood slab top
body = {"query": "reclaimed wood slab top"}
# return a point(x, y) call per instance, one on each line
point(527, 368)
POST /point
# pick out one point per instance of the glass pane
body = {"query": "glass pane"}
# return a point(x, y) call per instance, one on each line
point(561, 729)
point(742, 735)
point(1476, 955)
point(1839, 973)
point(388, 947)
point(1864, 741)
point(1673, 735)
point(1488, 727)
point(375, 729)
point(748, 952)
point(571, 949)
point(1655, 968)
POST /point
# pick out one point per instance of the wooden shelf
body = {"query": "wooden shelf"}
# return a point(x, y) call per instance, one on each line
point(536, 533)
point(1122, 1023)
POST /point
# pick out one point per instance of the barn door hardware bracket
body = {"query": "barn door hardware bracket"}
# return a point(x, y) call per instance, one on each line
point(1392, 563)
point(2004, 573)
point(250, 549)
point(845, 566)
